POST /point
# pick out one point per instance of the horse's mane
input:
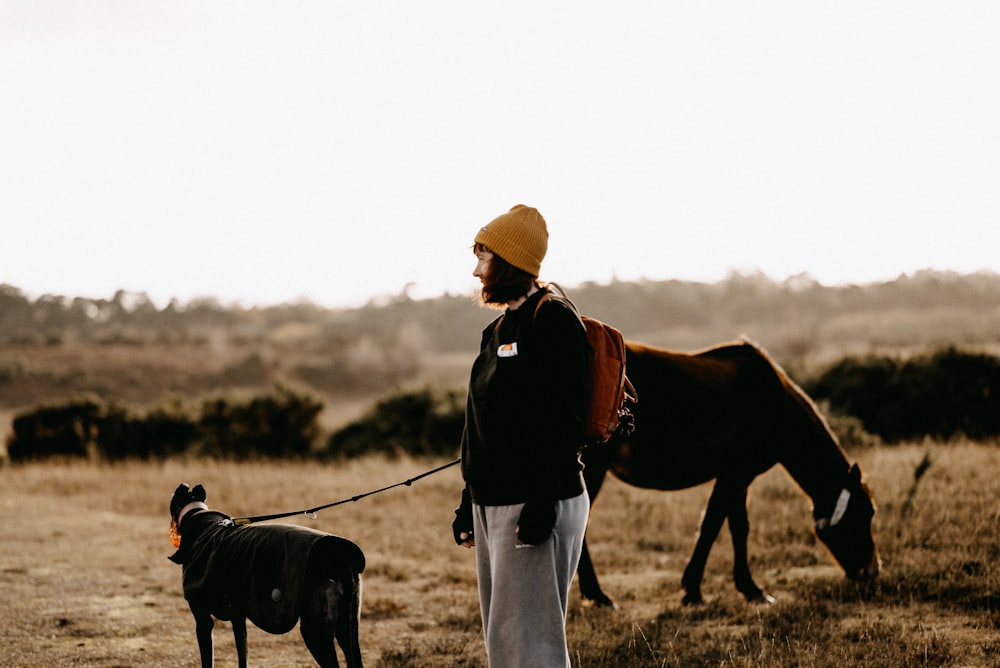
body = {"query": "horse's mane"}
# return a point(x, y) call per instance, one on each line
point(797, 392)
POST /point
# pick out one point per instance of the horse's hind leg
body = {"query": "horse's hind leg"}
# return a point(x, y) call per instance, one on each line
point(590, 588)
point(715, 512)
point(594, 472)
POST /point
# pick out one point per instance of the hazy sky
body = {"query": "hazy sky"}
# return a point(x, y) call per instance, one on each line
point(269, 151)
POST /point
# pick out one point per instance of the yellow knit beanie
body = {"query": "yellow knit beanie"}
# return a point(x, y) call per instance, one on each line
point(519, 237)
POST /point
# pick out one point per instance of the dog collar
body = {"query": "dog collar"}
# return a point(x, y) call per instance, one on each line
point(194, 505)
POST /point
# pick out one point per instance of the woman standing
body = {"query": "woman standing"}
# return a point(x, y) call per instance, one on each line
point(524, 507)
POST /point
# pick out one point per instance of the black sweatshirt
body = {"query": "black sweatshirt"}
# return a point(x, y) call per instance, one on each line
point(524, 415)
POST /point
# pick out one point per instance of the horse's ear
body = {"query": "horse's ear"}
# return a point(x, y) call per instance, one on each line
point(855, 473)
point(198, 493)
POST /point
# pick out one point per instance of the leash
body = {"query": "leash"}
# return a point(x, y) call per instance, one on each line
point(311, 512)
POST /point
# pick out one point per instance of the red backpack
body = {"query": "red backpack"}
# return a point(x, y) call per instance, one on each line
point(609, 390)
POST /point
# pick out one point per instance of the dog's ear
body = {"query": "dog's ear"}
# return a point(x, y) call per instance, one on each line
point(198, 493)
point(180, 499)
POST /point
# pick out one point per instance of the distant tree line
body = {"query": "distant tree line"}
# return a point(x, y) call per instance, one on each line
point(944, 395)
point(128, 349)
point(646, 310)
point(133, 318)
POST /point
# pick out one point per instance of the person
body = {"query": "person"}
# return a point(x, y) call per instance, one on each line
point(524, 507)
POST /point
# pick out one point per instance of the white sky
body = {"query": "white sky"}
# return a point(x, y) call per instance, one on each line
point(263, 152)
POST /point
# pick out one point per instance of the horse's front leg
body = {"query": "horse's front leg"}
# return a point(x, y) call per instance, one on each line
point(739, 529)
point(718, 508)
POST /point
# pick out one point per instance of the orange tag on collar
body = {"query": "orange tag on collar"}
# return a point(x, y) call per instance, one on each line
point(175, 537)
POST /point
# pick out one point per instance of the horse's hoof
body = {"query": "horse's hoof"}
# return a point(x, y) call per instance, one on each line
point(600, 601)
point(692, 599)
point(761, 598)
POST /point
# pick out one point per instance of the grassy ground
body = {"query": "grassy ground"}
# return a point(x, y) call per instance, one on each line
point(84, 578)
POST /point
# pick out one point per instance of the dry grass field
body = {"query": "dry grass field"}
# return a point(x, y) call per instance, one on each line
point(85, 580)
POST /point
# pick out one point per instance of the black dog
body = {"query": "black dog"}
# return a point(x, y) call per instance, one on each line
point(273, 575)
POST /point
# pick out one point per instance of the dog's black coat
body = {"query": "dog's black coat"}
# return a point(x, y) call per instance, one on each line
point(272, 575)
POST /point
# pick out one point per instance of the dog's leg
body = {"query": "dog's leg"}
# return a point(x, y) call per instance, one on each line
point(240, 635)
point(203, 624)
point(318, 621)
point(349, 620)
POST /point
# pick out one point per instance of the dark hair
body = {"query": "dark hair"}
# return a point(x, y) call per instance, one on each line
point(504, 282)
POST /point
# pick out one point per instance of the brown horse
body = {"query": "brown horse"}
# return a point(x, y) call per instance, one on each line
point(730, 413)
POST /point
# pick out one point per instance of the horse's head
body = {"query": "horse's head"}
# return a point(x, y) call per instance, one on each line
point(845, 526)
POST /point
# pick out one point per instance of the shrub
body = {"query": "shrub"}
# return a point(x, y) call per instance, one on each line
point(56, 430)
point(164, 431)
point(947, 394)
point(417, 423)
point(283, 424)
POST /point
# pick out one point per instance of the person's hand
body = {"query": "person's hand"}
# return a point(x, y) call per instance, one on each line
point(537, 520)
point(461, 526)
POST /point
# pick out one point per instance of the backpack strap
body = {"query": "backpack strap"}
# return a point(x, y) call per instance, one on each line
point(631, 395)
point(607, 351)
point(541, 300)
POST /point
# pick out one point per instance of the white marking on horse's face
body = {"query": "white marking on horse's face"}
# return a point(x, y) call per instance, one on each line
point(841, 508)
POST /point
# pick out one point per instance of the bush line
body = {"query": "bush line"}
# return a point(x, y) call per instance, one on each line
point(871, 400)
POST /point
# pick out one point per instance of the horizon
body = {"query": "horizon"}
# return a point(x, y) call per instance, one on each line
point(385, 299)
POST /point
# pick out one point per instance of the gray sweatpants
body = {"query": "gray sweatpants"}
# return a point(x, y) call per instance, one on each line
point(524, 589)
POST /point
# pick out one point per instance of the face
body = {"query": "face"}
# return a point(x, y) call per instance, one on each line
point(483, 258)
point(502, 282)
